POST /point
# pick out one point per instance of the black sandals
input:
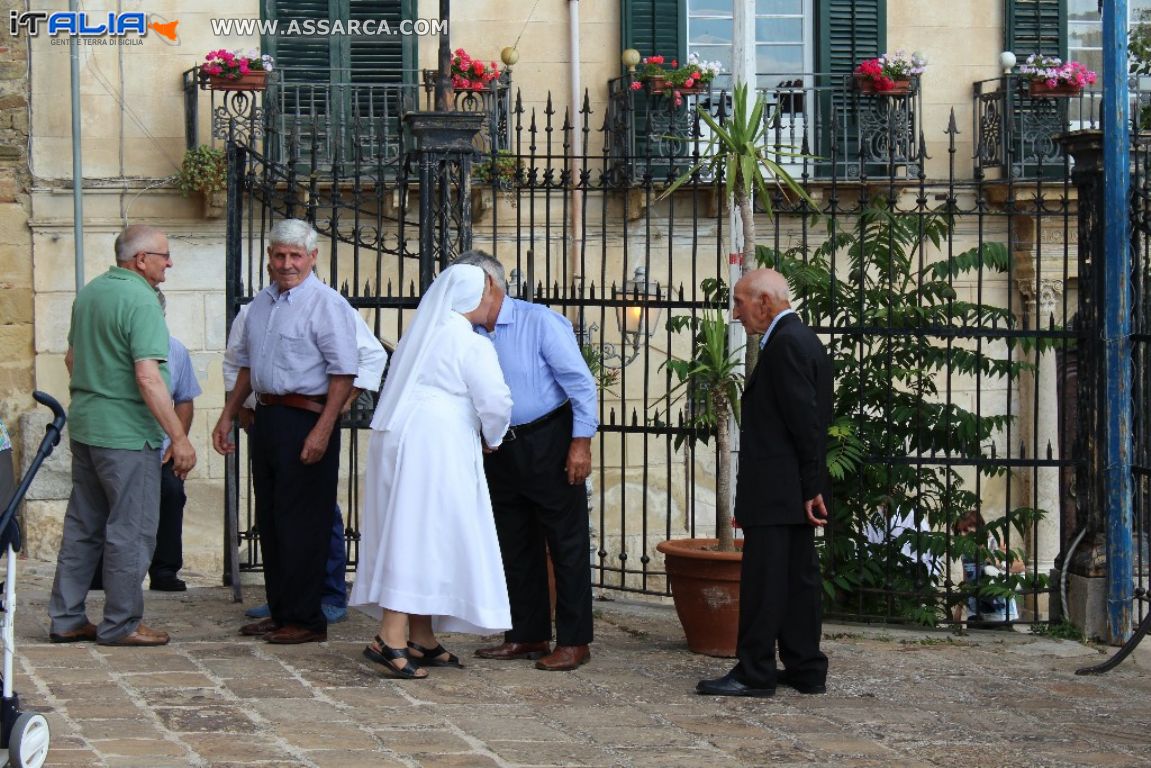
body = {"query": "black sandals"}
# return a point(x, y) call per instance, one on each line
point(430, 657)
point(389, 657)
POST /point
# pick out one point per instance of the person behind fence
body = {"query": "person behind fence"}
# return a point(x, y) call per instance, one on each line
point(168, 559)
point(537, 478)
point(781, 497)
point(371, 360)
point(429, 557)
point(121, 409)
point(298, 354)
point(979, 572)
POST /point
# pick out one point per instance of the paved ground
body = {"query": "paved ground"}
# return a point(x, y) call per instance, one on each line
point(896, 698)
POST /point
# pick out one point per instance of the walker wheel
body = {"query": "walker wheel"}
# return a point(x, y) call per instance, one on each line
point(28, 743)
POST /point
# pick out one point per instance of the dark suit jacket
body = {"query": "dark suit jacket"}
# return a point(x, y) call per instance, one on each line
point(786, 410)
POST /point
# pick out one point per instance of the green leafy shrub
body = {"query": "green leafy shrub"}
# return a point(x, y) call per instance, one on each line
point(204, 170)
point(889, 407)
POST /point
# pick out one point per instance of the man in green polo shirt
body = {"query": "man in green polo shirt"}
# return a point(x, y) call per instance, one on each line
point(121, 408)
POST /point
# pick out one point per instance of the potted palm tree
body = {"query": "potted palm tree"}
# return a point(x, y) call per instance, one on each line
point(738, 149)
point(704, 573)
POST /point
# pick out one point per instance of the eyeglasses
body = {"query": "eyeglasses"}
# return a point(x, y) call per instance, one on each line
point(165, 254)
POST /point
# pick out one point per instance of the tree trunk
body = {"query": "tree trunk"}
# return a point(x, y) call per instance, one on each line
point(723, 509)
point(746, 212)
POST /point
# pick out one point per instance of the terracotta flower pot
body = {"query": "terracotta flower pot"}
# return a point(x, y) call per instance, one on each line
point(866, 85)
point(656, 84)
point(1039, 89)
point(256, 80)
point(705, 588)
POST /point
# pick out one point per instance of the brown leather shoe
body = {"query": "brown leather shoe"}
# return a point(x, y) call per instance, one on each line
point(142, 636)
point(290, 634)
point(509, 651)
point(259, 628)
point(565, 658)
point(85, 634)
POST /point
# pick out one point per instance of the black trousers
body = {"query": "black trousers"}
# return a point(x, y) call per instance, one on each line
point(780, 602)
point(535, 506)
point(295, 503)
point(168, 558)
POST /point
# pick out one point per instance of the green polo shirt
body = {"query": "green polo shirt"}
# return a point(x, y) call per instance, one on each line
point(116, 322)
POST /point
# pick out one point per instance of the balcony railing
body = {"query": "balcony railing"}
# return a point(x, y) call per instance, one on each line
point(1017, 133)
point(349, 128)
point(840, 131)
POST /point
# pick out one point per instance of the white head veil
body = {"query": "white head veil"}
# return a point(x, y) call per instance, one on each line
point(458, 289)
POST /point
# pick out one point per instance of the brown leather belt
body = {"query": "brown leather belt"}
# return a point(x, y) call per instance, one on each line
point(313, 403)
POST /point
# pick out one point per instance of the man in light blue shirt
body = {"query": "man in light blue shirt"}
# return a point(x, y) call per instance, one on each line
point(536, 478)
point(168, 558)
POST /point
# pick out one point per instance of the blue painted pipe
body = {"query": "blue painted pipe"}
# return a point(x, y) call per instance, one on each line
point(1117, 319)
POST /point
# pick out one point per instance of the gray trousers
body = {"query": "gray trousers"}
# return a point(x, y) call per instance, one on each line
point(113, 512)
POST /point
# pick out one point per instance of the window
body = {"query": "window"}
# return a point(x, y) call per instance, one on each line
point(783, 35)
point(1085, 29)
point(792, 36)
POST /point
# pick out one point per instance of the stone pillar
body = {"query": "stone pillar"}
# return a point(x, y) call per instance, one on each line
point(1039, 420)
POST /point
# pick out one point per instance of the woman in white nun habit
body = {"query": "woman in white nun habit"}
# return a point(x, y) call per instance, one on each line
point(429, 557)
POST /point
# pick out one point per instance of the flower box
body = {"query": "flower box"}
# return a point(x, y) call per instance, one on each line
point(1039, 89)
point(1051, 77)
point(865, 84)
point(254, 80)
point(889, 75)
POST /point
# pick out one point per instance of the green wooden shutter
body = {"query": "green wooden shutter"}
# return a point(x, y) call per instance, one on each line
point(300, 59)
point(655, 26)
point(850, 31)
point(336, 59)
point(381, 58)
point(1036, 26)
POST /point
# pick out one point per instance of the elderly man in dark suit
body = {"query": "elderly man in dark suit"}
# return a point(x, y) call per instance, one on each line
point(780, 497)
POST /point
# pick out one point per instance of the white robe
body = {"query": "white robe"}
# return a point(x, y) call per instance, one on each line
point(428, 541)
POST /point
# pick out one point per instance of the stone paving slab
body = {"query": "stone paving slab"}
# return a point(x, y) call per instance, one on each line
point(896, 697)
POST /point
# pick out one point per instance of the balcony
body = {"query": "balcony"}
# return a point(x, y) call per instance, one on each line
point(1017, 133)
point(347, 129)
point(841, 132)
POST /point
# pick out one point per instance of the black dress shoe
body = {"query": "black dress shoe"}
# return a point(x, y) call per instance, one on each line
point(784, 678)
point(168, 585)
point(729, 686)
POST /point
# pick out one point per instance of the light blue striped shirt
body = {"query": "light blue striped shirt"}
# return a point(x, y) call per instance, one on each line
point(542, 365)
point(294, 340)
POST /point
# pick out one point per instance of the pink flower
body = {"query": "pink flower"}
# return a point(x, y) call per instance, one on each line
point(635, 86)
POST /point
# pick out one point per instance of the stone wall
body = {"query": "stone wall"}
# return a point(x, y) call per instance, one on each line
point(16, 311)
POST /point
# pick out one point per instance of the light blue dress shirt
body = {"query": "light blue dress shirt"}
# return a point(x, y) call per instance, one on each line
point(183, 386)
point(542, 365)
point(294, 340)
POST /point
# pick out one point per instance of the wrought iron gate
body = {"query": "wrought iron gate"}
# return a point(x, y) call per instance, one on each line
point(948, 304)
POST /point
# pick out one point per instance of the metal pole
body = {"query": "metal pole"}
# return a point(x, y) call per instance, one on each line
point(1117, 319)
point(77, 161)
point(444, 62)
